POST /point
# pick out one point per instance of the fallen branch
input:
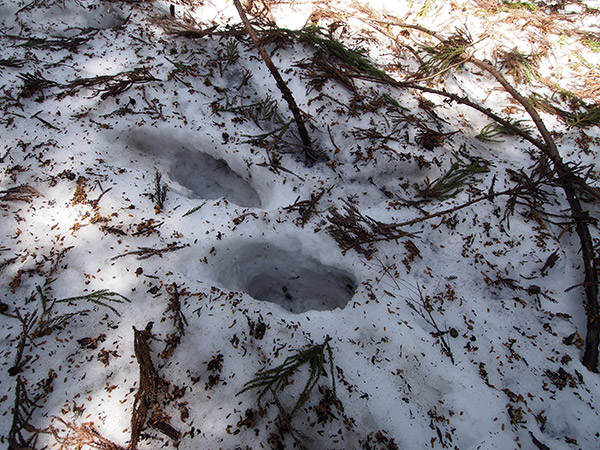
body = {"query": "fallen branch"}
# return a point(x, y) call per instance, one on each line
point(312, 155)
point(306, 208)
point(148, 384)
point(83, 435)
point(354, 230)
point(571, 184)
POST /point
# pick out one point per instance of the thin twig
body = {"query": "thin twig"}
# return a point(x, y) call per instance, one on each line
point(147, 252)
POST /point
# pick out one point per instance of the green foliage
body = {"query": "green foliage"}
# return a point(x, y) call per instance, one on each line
point(193, 210)
point(494, 129)
point(450, 184)
point(101, 298)
point(581, 114)
point(231, 53)
point(393, 102)
point(426, 8)
point(43, 299)
point(522, 67)
point(182, 67)
point(520, 5)
point(261, 110)
point(245, 77)
point(318, 38)
point(445, 54)
point(589, 116)
point(275, 379)
point(593, 44)
point(277, 133)
point(490, 132)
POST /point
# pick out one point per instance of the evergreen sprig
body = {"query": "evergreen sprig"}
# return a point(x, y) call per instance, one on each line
point(445, 54)
point(449, 184)
point(318, 38)
point(492, 130)
point(275, 379)
point(102, 298)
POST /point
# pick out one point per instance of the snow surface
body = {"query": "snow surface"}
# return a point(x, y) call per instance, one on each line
point(256, 281)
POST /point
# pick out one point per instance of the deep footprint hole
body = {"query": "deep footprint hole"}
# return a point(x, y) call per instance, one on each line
point(296, 282)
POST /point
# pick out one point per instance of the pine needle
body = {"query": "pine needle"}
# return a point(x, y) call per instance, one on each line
point(316, 37)
point(446, 54)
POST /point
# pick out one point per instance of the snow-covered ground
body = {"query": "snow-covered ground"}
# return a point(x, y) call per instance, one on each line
point(141, 173)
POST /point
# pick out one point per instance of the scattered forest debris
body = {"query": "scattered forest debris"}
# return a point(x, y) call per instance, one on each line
point(306, 208)
point(82, 435)
point(355, 231)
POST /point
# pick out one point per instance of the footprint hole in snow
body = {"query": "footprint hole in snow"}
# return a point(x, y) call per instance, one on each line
point(211, 178)
point(198, 173)
point(296, 282)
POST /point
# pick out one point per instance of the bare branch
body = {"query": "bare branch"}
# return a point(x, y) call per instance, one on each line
point(310, 152)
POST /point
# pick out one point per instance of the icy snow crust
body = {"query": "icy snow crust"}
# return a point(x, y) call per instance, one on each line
point(255, 281)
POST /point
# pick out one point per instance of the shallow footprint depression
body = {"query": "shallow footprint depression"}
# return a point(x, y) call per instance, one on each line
point(296, 282)
point(211, 178)
point(203, 175)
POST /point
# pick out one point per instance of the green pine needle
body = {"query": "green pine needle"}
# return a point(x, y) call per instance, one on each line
point(193, 210)
point(323, 41)
point(450, 184)
point(492, 130)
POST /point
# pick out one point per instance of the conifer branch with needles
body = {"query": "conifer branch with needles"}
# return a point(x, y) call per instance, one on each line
point(275, 379)
point(101, 298)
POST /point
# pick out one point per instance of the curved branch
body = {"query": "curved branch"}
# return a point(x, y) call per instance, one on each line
point(569, 181)
point(566, 178)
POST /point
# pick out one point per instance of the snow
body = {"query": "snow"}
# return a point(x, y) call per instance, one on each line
point(287, 277)
point(457, 335)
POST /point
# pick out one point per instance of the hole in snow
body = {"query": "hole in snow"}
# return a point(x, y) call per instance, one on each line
point(293, 281)
point(79, 16)
point(198, 173)
point(211, 178)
